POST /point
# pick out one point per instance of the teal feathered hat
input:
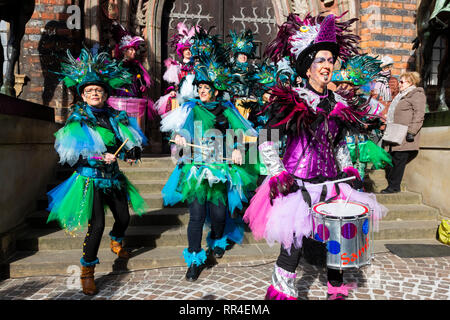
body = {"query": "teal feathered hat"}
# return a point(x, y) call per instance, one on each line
point(266, 74)
point(212, 71)
point(358, 70)
point(242, 43)
point(203, 43)
point(89, 69)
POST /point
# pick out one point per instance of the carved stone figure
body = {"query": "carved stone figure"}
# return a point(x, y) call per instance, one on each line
point(433, 17)
point(17, 13)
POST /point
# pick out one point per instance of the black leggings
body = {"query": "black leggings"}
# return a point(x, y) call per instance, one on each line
point(289, 262)
point(400, 159)
point(118, 203)
point(197, 216)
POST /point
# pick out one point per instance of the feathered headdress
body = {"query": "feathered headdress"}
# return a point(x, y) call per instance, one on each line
point(124, 39)
point(269, 74)
point(299, 38)
point(99, 69)
point(358, 70)
point(206, 44)
point(242, 43)
point(211, 70)
point(183, 39)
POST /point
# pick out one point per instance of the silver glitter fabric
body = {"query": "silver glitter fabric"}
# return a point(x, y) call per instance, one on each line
point(270, 158)
point(284, 281)
point(342, 154)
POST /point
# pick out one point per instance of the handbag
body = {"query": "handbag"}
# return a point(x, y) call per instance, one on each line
point(395, 133)
point(443, 232)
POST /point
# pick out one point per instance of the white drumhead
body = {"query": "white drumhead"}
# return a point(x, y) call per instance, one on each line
point(340, 208)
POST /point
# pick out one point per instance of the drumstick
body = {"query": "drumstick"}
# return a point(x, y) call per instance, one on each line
point(201, 147)
point(348, 197)
point(193, 145)
point(126, 140)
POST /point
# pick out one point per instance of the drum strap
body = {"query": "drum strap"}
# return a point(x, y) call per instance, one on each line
point(307, 197)
point(338, 192)
point(305, 194)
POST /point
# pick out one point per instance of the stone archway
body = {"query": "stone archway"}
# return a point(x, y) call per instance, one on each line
point(155, 36)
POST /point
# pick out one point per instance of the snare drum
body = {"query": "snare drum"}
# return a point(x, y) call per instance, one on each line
point(346, 229)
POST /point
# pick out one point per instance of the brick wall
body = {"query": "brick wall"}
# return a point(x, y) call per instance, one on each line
point(387, 28)
point(46, 40)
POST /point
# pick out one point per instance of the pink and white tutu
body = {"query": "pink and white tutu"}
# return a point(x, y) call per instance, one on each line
point(289, 218)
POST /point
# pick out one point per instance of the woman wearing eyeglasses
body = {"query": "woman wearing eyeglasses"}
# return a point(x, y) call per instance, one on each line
point(407, 108)
point(89, 142)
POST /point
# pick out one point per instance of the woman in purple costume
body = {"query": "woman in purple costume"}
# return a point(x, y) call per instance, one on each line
point(315, 121)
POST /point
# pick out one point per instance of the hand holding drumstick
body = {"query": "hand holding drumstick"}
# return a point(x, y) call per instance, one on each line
point(110, 158)
point(236, 157)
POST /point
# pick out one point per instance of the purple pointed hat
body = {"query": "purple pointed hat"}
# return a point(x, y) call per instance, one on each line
point(302, 39)
point(309, 40)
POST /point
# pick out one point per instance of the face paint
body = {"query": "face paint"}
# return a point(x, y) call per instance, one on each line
point(321, 69)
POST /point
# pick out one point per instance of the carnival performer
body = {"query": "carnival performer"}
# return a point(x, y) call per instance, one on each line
point(313, 118)
point(126, 50)
point(355, 73)
point(176, 72)
point(93, 138)
point(241, 49)
point(209, 178)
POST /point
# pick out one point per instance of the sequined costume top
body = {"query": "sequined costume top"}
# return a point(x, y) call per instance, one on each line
point(315, 126)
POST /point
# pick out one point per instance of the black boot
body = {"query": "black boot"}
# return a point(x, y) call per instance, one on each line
point(196, 262)
point(193, 272)
point(218, 252)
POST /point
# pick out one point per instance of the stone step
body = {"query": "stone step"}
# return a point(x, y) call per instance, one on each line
point(146, 174)
point(66, 262)
point(36, 239)
point(136, 236)
point(404, 197)
point(166, 216)
point(409, 212)
point(394, 230)
point(164, 162)
point(149, 186)
point(180, 216)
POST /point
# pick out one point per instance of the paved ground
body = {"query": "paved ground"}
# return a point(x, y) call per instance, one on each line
point(414, 272)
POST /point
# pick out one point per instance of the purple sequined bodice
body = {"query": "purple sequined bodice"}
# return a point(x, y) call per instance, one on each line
point(316, 153)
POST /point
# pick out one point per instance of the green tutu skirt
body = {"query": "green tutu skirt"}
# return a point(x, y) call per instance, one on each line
point(70, 203)
point(228, 184)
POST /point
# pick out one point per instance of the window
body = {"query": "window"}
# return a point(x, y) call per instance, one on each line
point(4, 40)
point(438, 52)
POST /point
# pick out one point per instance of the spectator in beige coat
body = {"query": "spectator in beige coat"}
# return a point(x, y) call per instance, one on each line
point(407, 108)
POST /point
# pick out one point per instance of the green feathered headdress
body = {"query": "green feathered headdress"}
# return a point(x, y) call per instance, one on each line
point(212, 70)
point(89, 69)
point(242, 43)
point(358, 70)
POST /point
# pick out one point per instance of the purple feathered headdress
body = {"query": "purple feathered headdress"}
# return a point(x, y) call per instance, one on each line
point(298, 38)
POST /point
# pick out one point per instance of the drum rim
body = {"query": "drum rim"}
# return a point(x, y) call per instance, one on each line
point(365, 213)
